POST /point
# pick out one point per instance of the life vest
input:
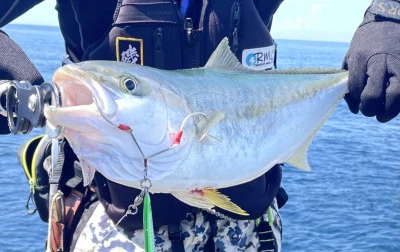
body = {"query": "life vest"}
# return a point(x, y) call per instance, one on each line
point(159, 34)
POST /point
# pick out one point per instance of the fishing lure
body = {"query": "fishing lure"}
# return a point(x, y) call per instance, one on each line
point(149, 241)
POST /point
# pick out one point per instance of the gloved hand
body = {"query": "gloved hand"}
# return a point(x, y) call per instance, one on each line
point(14, 65)
point(373, 61)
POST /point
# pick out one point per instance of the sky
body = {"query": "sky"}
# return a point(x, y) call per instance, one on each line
point(321, 20)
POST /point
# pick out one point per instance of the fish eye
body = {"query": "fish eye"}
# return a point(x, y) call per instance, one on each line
point(129, 85)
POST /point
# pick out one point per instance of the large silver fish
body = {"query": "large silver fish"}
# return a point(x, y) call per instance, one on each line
point(194, 130)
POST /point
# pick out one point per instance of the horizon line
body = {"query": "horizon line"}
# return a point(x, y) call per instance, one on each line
point(276, 38)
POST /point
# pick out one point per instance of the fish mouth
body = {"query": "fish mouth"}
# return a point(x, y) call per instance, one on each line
point(78, 88)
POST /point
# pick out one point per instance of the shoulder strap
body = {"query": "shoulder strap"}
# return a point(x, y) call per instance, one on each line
point(176, 238)
point(55, 176)
point(235, 24)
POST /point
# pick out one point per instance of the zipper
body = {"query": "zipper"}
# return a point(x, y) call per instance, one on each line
point(116, 11)
point(188, 26)
point(159, 60)
point(235, 22)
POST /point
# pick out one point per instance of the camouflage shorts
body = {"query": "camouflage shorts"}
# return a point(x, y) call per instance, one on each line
point(100, 234)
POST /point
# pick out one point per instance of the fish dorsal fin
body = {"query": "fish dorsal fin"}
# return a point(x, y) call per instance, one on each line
point(223, 58)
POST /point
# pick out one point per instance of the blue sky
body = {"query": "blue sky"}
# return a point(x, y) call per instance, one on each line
point(323, 20)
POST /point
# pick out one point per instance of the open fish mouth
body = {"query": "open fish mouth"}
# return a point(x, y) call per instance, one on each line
point(72, 91)
point(85, 102)
point(80, 88)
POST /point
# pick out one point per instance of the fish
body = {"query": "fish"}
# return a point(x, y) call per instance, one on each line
point(191, 132)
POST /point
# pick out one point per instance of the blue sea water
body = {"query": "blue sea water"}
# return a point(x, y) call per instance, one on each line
point(349, 202)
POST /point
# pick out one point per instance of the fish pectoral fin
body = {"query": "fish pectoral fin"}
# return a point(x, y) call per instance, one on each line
point(206, 123)
point(209, 198)
point(208, 139)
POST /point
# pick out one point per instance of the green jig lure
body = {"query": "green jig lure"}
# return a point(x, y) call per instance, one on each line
point(148, 224)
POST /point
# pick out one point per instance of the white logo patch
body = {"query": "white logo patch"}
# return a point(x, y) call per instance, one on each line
point(130, 55)
point(129, 50)
point(259, 58)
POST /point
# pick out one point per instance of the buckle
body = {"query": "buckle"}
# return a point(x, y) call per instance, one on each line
point(175, 232)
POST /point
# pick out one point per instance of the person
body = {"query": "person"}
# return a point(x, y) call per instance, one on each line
point(152, 33)
point(141, 34)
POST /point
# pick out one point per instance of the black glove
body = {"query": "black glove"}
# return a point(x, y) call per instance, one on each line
point(373, 61)
point(11, 9)
point(15, 65)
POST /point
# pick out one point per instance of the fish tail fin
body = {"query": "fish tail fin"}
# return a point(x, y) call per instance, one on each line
point(209, 198)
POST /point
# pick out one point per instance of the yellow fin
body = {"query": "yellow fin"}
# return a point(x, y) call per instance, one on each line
point(222, 201)
point(193, 200)
point(209, 198)
point(299, 159)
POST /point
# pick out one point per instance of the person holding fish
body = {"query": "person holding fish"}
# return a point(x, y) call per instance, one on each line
point(177, 35)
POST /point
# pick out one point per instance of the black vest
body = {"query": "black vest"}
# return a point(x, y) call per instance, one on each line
point(160, 34)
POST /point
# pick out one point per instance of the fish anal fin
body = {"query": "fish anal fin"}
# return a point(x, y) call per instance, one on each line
point(299, 159)
point(209, 198)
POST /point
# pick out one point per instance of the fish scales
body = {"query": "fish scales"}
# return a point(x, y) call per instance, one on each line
point(251, 106)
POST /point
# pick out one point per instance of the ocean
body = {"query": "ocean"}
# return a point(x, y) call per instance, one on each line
point(350, 201)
